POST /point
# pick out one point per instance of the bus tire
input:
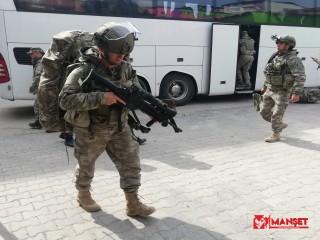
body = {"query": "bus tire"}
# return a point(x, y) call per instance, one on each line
point(178, 87)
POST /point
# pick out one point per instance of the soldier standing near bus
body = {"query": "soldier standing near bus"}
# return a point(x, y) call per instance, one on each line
point(245, 60)
point(284, 80)
point(36, 55)
point(100, 123)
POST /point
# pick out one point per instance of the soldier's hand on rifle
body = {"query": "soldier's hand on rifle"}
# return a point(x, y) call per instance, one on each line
point(294, 98)
point(263, 90)
point(111, 98)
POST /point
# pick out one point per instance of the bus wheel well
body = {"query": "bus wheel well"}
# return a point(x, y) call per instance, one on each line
point(179, 87)
point(144, 84)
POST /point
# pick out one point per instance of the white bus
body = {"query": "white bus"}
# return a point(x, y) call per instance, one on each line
point(186, 47)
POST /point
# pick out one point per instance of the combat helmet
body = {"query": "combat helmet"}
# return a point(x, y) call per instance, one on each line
point(285, 39)
point(116, 37)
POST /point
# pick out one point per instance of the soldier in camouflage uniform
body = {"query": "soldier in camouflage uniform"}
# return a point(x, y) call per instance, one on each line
point(36, 55)
point(309, 95)
point(99, 121)
point(284, 81)
point(245, 60)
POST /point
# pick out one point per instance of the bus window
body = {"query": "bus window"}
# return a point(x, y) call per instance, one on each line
point(292, 12)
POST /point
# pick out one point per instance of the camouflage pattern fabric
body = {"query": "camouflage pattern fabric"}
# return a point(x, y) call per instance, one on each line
point(273, 107)
point(64, 50)
point(37, 71)
point(309, 95)
point(103, 131)
point(276, 98)
point(288, 69)
point(120, 147)
point(245, 60)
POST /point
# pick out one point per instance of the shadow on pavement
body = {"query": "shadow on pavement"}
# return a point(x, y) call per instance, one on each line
point(166, 228)
point(300, 143)
point(25, 112)
point(5, 234)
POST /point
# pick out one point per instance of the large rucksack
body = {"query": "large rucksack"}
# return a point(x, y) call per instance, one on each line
point(64, 50)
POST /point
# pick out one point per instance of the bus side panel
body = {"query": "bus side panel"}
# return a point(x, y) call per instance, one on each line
point(223, 59)
point(144, 62)
point(205, 86)
point(21, 80)
point(7, 5)
point(5, 88)
point(183, 59)
point(307, 44)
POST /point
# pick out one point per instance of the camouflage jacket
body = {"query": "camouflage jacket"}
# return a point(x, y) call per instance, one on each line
point(246, 46)
point(285, 71)
point(73, 98)
point(37, 71)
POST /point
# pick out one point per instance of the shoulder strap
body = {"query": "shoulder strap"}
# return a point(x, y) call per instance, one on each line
point(273, 56)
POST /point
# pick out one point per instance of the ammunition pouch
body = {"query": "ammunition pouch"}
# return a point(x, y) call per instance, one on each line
point(286, 81)
point(274, 80)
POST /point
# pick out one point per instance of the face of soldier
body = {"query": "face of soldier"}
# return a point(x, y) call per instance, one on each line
point(282, 47)
point(244, 35)
point(115, 58)
point(111, 59)
point(35, 56)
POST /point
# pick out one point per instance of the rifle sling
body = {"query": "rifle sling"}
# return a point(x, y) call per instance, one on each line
point(134, 122)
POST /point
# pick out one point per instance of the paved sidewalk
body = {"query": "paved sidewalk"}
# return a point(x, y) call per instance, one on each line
point(207, 182)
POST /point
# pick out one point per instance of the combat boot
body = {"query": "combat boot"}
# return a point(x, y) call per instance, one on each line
point(135, 207)
point(284, 125)
point(141, 140)
point(36, 124)
point(86, 202)
point(68, 139)
point(248, 85)
point(273, 138)
point(257, 98)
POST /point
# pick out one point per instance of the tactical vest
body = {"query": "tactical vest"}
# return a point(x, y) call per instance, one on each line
point(114, 115)
point(277, 72)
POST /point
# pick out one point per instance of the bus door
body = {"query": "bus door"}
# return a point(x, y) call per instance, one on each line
point(224, 54)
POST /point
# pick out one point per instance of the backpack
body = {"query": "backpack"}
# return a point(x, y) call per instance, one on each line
point(63, 51)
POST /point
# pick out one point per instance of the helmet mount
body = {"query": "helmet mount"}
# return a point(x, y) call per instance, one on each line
point(287, 39)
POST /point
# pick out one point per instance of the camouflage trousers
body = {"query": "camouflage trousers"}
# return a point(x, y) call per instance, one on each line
point(309, 95)
point(244, 64)
point(36, 107)
point(273, 107)
point(91, 142)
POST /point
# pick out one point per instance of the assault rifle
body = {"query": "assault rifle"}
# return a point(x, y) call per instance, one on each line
point(136, 97)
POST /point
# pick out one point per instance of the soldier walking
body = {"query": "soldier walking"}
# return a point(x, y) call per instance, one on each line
point(284, 81)
point(100, 123)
